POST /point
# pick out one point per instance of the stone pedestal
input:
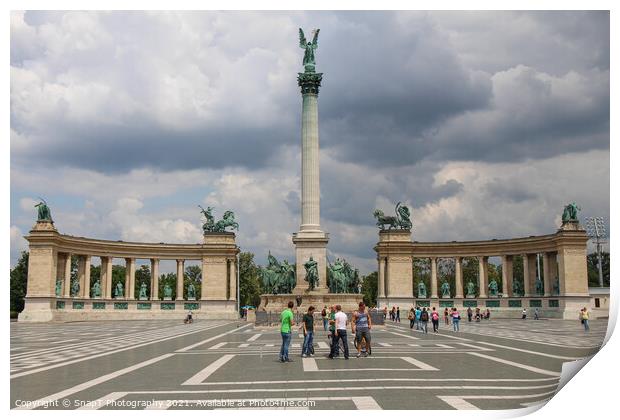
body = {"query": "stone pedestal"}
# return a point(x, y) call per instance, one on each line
point(310, 244)
point(277, 303)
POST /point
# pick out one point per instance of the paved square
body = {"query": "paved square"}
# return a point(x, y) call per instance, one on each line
point(497, 364)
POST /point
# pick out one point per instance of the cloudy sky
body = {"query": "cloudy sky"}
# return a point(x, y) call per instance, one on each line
point(485, 123)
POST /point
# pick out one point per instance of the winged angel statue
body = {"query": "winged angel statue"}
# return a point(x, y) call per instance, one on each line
point(309, 61)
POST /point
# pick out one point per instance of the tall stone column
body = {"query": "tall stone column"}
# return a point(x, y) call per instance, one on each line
point(130, 278)
point(67, 276)
point(553, 271)
point(310, 241)
point(547, 282)
point(154, 278)
point(108, 276)
point(180, 278)
point(483, 274)
point(507, 275)
point(458, 277)
point(381, 282)
point(232, 278)
point(527, 275)
point(434, 278)
point(85, 286)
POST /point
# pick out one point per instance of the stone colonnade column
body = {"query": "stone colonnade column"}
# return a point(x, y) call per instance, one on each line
point(526, 275)
point(507, 275)
point(434, 278)
point(85, 284)
point(232, 278)
point(458, 276)
point(130, 278)
point(154, 278)
point(381, 282)
point(483, 272)
point(67, 276)
point(553, 271)
point(180, 278)
point(108, 276)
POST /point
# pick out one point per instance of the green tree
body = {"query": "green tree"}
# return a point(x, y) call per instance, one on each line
point(95, 274)
point(593, 279)
point(19, 281)
point(193, 274)
point(421, 273)
point(470, 267)
point(143, 275)
point(369, 288)
point(249, 282)
point(495, 273)
point(446, 271)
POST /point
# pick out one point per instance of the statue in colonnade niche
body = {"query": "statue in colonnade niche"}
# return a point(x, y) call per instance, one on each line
point(312, 273)
point(556, 286)
point(445, 289)
point(95, 291)
point(119, 291)
point(191, 291)
point(517, 288)
point(539, 286)
point(58, 287)
point(167, 291)
point(142, 294)
point(471, 288)
point(43, 211)
point(493, 288)
point(421, 290)
point(75, 287)
point(570, 213)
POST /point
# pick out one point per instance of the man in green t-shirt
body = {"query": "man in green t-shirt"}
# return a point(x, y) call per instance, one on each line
point(288, 320)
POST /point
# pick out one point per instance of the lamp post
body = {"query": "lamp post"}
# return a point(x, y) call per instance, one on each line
point(595, 227)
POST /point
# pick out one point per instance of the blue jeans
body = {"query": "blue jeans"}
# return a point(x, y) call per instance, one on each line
point(325, 323)
point(286, 341)
point(586, 325)
point(342, 335)
point(307, 343)
point(455, 323)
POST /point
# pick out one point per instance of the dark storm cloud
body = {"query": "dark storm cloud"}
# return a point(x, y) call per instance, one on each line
point(398, 88)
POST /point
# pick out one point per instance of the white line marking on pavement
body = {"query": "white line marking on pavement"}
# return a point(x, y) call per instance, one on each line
point(473, 346)
point(418, 364)
point(518, 365)
point(93, 382)
point(208, 340)
point(244, 345)
point(530, 351)
point(304, 381)
point(365, 403)
point(44, 368)
point(218, 345)
point(445, 346)
point(385, 344)
point(403, 335)
point(254, 337)
point(413, 345)
point(269, 345)
point(309, 365)
point(323, 345)
point(296, 346)
point(459, 402)
point(200, 377)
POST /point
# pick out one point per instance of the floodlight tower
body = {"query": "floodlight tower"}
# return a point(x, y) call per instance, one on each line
point(595, 226)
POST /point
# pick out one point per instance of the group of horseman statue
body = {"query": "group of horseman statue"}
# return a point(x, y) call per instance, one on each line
point(280, 278)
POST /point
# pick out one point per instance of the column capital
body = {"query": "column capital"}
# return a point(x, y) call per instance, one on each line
point(309, 82)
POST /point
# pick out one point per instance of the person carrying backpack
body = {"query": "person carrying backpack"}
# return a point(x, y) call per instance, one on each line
point(424, 320)
point(325, 318)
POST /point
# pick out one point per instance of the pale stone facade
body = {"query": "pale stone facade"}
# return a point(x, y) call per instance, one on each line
point(50, 259)
point(563, 255)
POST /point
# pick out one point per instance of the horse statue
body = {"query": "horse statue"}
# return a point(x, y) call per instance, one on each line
point(402, 220)
point(287, 278)
point(210, 222)
point(270, 275)
point(227, 221)
point(43, 211)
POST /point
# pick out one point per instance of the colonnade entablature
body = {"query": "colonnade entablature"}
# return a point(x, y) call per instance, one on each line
point(553, 267)
point(53, 295)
